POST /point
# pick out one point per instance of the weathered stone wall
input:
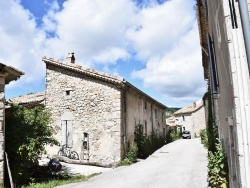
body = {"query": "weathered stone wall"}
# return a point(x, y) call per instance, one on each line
point(193, 122)
point(142, 110)
point(186, 122)
point(95, 108)
point(199, 121)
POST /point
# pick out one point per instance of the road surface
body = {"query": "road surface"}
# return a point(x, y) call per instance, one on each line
point(180, 164)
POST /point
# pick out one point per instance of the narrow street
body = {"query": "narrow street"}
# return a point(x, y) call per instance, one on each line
point(180, 164)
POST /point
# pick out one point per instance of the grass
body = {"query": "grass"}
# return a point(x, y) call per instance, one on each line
point(57, 182)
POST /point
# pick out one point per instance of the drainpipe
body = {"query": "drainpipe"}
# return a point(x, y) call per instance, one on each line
point(243, 8)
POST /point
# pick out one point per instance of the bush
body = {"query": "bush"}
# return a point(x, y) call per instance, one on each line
point(217, 167)
point(32, 132)
point(204, 137)
point(147, 144)
point(132, 152)
point(131, 155)
point(175, 135)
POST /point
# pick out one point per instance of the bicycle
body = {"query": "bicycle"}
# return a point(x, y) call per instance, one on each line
point(66, 152)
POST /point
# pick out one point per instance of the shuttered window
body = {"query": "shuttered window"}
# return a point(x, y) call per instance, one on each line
point(67, 133)
point(212, 66)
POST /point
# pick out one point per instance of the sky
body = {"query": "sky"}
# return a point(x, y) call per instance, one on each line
point(153, 44)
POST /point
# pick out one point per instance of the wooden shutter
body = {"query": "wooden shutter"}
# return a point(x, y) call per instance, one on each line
point(69, 133)
point(64, 134)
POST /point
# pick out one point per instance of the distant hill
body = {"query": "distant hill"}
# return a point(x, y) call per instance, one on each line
point(170, 111)
point(173, 109)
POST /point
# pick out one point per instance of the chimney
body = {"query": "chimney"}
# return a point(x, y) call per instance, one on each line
point(70, 58)
point(194, 104)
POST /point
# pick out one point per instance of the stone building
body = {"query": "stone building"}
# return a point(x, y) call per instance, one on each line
point(225, 46)
point(191, 118)
point(96, 113)
point(7, 74)
point(30, 100)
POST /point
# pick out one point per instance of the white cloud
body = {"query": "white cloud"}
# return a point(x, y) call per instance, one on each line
point(21, 41)
point(170, 46)
point(92, 29)
point(101, 33)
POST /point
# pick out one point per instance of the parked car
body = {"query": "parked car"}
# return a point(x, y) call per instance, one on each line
point(186, 134)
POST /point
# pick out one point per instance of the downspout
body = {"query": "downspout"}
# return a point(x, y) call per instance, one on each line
point(243, 8)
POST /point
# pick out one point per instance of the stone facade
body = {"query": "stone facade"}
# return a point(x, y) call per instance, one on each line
point(94, 113)
point(144, 111)
point(191, 118)
point(223, 50)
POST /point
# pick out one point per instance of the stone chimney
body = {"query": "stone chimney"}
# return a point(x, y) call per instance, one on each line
point(70, 58)
point(194, 104)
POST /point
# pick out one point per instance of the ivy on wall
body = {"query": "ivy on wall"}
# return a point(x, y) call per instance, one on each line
point(217, 160)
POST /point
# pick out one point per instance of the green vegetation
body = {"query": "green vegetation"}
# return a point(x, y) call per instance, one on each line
point(60, 180)
point(174, 135)
point(204, 138)
point(131, 155)
point(147, 144)
point(217, 167)
point(27, 133)
point(217, 162)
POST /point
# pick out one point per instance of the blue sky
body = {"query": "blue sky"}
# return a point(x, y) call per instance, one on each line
point(153, 44)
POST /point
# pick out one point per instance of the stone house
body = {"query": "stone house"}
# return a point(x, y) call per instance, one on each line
point(7, 74)
point(225, 44)
point(96, 113)
point(30, 100)
point(191, 118)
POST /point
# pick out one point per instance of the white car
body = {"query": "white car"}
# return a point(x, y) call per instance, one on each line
point(186, 134)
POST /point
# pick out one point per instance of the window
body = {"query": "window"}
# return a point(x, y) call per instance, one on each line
point(146, 128)
point(212, 66)
point(145, 105)
point(66, 133)
point(183, 118)
point(155, 113)
point(68, 93)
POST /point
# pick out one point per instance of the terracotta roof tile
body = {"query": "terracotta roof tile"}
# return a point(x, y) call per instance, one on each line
point(189, 109)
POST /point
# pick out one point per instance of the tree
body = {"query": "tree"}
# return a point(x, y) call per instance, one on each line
point(27, 133)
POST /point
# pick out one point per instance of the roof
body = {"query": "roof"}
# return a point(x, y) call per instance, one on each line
point(189, 109)
point(203, 28)
point(114, 79)
point(29, 99)
point(11, 73)
point(171, 121)
point(86, 71)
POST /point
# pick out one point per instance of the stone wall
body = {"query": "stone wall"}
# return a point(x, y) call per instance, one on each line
point(199, 121)
point(93, 107)
point(193, 122)
point(143, 110)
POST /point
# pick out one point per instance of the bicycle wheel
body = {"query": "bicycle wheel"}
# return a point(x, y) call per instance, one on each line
point(61, 153)
point(74, 155)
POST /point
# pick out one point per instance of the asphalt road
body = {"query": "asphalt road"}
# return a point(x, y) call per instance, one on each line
point(180, 164)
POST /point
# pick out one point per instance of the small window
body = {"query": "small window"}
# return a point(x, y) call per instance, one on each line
point(155, 113)
point(67, 93)
point(146, 128)
point(183, 118)
point(145, 105)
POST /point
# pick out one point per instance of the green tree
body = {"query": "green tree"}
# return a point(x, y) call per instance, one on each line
point(27, 133)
